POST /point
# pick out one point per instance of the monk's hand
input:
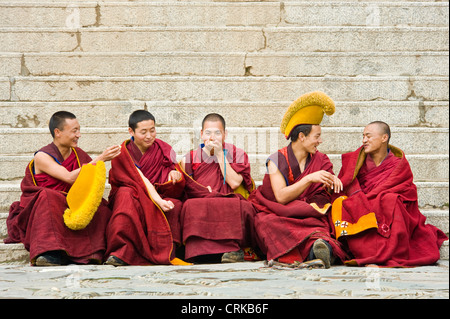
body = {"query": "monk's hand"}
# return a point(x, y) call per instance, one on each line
point(214, 147)
point(166, 205)
point(110, 153)
point(218, 148)
point(337, 185)
point(209, 147)
point(174, 176)
point(323, 177)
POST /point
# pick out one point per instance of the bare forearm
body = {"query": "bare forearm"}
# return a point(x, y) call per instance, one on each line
point(72, 176)
point(289, 193)
point(150, 188)
point(43, 163)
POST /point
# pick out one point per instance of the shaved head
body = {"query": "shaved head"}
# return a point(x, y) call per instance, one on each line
point(58, 120)
point(376, 138)
point(383, 128)
point(213, 117)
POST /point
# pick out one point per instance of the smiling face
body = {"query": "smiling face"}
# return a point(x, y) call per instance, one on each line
point(213, 131)
point(313, 140)
point(374, 139)
point(70, 133)
point(144, 134)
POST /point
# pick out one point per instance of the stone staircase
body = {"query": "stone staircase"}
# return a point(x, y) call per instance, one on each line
point(247, 60)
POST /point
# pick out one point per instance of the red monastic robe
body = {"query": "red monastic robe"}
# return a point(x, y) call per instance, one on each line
point(281, 228)
point(37, 219)
point(219, 221)
point(139, 232)
point(380, 221)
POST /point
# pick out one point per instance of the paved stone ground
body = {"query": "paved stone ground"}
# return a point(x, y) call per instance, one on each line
point(220, 281)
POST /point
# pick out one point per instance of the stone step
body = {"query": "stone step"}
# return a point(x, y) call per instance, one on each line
point(229, 39)
point(365, 13)
point(347, 64)
point(431, 195)
point(207, 88)
point(305, 13)
point(4, 88)
point(265, 140)
point(344, 39)
point(225, 64)
point(14, 254)
point(92, 14)
point(48, 14)
point(259, 114)
point(425, 168)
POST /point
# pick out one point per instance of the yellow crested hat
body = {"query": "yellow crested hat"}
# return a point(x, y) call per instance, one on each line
point(85, 196)
point(307, 109)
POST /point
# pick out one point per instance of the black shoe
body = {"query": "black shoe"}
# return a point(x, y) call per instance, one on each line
point(322, 251)
point(233, 257)
point(51, 258)
point(114, 261)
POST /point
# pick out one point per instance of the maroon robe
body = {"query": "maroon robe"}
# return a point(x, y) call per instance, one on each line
point(37, 219)
point(219, 221)
point(383, 224)
point(139, 232)
point(281, 228)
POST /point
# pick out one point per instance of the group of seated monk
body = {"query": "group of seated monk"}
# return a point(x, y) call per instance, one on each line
point(206, 208)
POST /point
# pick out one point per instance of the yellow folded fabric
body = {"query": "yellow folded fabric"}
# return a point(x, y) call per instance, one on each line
point(345, 228)
point(179, 262)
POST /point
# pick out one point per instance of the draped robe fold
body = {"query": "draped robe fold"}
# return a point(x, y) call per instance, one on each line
point(219, 221)
point(378, 218)
point(281, 228)
point(139, 232)
point(37, 219)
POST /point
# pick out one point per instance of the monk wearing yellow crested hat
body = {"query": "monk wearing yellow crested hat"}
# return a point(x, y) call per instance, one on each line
point(292, 223)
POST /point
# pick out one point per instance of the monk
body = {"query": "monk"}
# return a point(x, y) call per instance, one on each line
point(37, 219)
point(293, 201)
point(146, 187)
point(216, 219)
point(377, 215)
